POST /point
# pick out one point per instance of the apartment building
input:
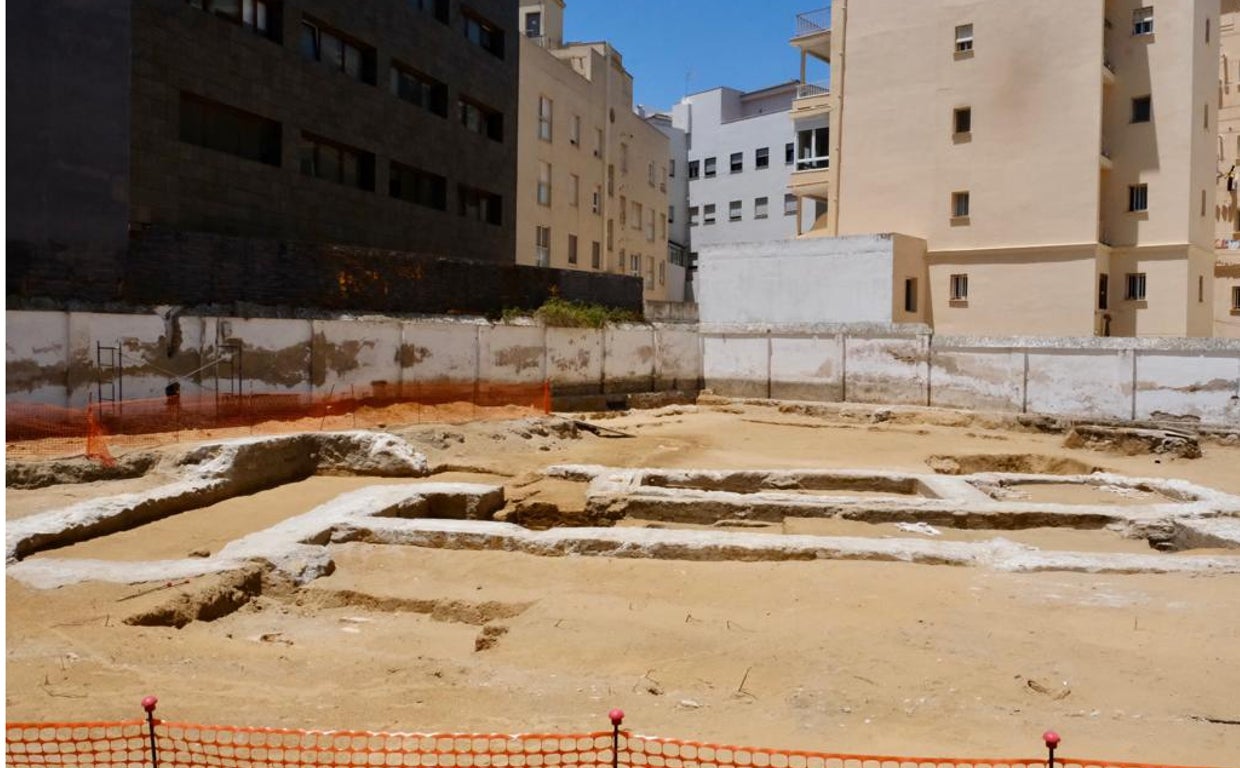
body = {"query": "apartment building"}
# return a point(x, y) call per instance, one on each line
point(388, 124)
point(1227, 205)
point(591, 174)
point(1057, 158)
point(678, 250)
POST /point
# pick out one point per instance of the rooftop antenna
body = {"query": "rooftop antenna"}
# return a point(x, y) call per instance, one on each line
point(688, 77)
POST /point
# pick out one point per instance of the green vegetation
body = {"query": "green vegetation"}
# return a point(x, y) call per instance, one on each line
point(561, 313)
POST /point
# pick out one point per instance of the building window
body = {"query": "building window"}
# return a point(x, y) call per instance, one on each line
point(533, 24)
point(693, 215)
point(417, 186)
point(1141, 109)
point(662, 273)
point(544, 183)
point(1203, 202)
point(259, 16)
point(960, 205)
point(812, 151)
point(611, 180)
point(337, 51)
point(572, 249)
point(481, 206)
point(574, 131)
point(694, 168)
point(225, 129)
point(762, 157)
point(759, 207)
point(438, 7)
point(544, 118)
point(790, 205)
point(662, 226)
point(708, 214)
point(734, 210)
point(611, 231)
point(1104, 289)
point(327, 160)
point(635, 265)
point(574, 189)
point(418, 89)
point(1207, 31)
point(671, 214)
point(481, 120)
point(636, 219)
point(910, 294)
point(596, 255)
point(484, 34)
point(650, 173)
point(710, 167)
point(624, 210)
point(1134, 286)
point(964, 38)
point(789, 153)
point(1138, 198)
point(1235, 298)
point(671, 167)
point(737, 162)
point(960, 288)
point(598, 142)
point(596, 202)
point(662, 178)
point(1205, 117)
point(1201, 289)
point(542, 246)
point(650, 225)
point(1143, 21)
point(624, 158)
point(962, 121)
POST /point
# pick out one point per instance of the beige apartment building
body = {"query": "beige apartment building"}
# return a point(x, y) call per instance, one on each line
point(1227, 210)
point(1057, 158)
point(591, 174)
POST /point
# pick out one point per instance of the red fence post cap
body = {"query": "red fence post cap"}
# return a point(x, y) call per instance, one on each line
point(617, 716)
point(1051, 738)
point(149, 703)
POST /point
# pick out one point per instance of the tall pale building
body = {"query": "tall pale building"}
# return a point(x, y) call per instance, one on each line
point(1227, 209)
point(591, 174)
point(1057, 158)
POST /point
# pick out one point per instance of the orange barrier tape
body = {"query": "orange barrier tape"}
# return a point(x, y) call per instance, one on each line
point(125, 743)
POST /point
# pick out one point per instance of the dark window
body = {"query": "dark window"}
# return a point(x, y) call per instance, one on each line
point(1134, 286)
point(1141, 109)
point(960, 205)
point(437, 7)
point(327, 160)
point(533, 24)
point(960, 287)
point(762, 157)
point(482, 120)
point(910, 294)
point(260, 16)
point(484, 34)
point(736, 163)
point(694, 169)
point(215, 126)
point(572, 249)
point(1104, 281)
point(1138, 197)
point(337, 51)
point(417, 186)
point(1143, 21)
point(964, 120)
point(596, 256)
point(789, 153)
point(481, 206)
point(417, 88)
point(710, 167)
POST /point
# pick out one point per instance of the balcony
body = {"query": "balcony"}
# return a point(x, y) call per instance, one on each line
point(1108, 69)
point(813, 33)
point(1104, 158)
point(811, 99)
point(812, 178)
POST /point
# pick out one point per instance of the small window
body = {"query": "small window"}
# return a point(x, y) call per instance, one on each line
point(574, 189)
point(1134, 286)
point(1141, 109)
point(710, 167)
point(671, 167)
point(963, 121)
point(1205, 117)
point(481, 205)
point(1207, 31)
point(960, 205)
point(596, 255)
point(484, 34)
point(226, 129)
point(542, 246)
point(1203, 202)
point(736, 163)
point(1143, 21)
point(337, 163)
point(1235, 298)
point(533, 24)
point(960, 288)
point(671, 214)
point(418, 186)
point(596, 202)
point(418, 89)
point(572, 249)
point(789, 153)
point(759, 207)
point(790, 205)
point(439, 8)
point(693, 215)
point(1104, 291)
point(480, 119)
point(544, 183)
point(1201, 289)
point(662, 273)
point(544, 118)
point(337, 51)
point(574, 131)
point(259, 16)
point(624, 210)
point(964, 38)
point(708, 214)
point(910, 294)
point(1138, 198)
point(611, 233)
point(694, 169)
point(762, 157)
point(734, 210)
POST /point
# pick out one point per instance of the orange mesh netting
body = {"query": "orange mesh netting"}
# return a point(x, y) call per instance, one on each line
point(35, 430)
point(184, 744)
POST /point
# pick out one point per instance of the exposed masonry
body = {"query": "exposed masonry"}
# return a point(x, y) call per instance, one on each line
point(459, 516)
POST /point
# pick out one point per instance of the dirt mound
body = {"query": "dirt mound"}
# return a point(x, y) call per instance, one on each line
point(1134, 441)
point(1024, 463)
point(41, 474)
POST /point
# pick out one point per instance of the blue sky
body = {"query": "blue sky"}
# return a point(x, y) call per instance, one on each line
point(738, 43)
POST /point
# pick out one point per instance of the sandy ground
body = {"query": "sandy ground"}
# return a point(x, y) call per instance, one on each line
point(839, 656)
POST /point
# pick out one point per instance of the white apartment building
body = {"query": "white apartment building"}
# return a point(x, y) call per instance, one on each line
point(677, 192)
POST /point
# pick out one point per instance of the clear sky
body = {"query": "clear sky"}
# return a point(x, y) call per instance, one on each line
point(738, 43)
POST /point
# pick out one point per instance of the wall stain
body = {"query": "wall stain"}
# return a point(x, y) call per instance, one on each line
point(286, 367)
point(409, 355)
point(577, 362)
point(646, 353)
point(520, 358)
point(1213, 385)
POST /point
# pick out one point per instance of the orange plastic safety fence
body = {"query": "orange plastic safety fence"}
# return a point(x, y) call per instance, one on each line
point(187, 745)
point(37, 430)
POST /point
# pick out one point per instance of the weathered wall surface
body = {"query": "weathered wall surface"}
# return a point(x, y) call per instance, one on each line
point(67, 359)
point(1080, 377)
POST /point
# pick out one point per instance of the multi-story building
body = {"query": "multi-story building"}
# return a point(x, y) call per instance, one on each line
point(1057, 157)
point(1227, 202)
point(678, 250)
point(389, 124)
point(592, 174)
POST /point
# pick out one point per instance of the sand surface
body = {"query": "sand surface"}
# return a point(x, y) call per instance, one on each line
point(838, 656)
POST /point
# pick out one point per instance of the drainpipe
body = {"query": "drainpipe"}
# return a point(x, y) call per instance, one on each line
point(837, 135)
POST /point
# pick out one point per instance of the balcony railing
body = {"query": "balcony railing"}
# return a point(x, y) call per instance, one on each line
point(807, 90)
point(813, 163)
point(813, 22)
